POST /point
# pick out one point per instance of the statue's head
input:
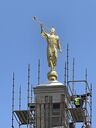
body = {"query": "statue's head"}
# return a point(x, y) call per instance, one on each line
point(52, 31)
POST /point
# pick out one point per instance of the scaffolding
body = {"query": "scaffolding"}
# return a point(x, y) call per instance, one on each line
point(63, 114)
point(82, 114)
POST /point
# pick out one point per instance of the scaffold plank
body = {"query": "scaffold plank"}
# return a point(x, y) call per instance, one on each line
point(23, 116)
point(78, 114)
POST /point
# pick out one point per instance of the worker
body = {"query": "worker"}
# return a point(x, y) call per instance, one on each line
point(77, 101)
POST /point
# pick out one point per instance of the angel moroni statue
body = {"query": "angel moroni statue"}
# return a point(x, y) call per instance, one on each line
point(53, 45)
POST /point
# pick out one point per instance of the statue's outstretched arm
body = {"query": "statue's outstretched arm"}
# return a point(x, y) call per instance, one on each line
point(43, 33)
point(41, 26)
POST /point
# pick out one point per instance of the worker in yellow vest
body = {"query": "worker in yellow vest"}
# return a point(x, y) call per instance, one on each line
point(77, 101)
point(80, 99)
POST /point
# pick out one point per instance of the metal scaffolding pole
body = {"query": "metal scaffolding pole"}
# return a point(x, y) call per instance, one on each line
point(65, 75)
point(28, 95)
point(19, 101)
point(91, 106)
point(20, 97)
point(13, 101)
point(38, 71)
point(73, 76)
point(67, 63)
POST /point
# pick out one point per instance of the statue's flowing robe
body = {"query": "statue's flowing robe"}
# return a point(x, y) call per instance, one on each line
point(52, 47)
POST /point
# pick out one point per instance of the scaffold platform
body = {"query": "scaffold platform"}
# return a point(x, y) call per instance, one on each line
point(22, 116)
point(78, 114)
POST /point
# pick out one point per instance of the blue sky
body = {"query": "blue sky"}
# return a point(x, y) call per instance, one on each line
point(21, 44)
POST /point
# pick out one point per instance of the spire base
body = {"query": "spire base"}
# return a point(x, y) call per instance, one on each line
point(52, 75)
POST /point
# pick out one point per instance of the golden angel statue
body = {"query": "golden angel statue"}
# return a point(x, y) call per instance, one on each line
point(53, 45)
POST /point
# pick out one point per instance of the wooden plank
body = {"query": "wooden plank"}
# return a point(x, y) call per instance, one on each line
point(78, 114)
point(22, 117)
